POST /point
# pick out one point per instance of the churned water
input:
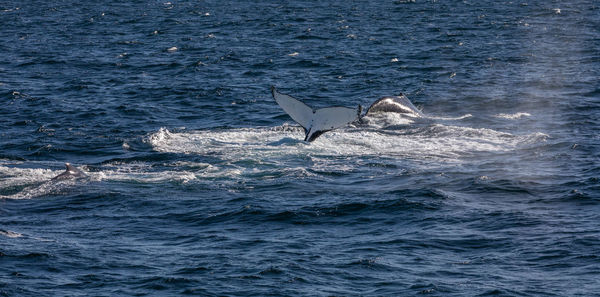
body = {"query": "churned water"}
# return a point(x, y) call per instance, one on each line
point(200, 184)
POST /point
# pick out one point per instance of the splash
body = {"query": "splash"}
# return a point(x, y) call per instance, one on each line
point(443, 143)
point(26, 183)
point(513, 116)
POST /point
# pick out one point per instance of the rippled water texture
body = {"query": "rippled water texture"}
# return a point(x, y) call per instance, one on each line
point(199, 184)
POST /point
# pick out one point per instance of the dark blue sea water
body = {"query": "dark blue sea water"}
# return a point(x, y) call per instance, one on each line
point(200, 184)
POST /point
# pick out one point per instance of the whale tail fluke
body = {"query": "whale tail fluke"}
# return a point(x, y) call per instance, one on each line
point(296, 109)
point(315, 122)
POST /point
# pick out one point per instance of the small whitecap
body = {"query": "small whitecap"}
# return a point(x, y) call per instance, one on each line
point(462, 117)
point(351, 36)
point(293, 54)
point(172, 49)
point(557, 10)
point(157, 138)
point(394, 60)
point(207, 14)
point(513, 116)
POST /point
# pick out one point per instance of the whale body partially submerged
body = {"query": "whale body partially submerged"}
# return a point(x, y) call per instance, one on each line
point(71, 172)
point(316, 122)
point(397, 104)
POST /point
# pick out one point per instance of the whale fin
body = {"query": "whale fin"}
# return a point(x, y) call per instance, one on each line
point(71, 172)
point(314, 122)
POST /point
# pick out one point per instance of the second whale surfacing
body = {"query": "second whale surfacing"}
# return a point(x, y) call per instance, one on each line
point(317, 122)
point(397, 104)
point(71, 172)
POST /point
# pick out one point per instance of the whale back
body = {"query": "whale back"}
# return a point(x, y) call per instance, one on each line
point(397, 104)
point(71, 172)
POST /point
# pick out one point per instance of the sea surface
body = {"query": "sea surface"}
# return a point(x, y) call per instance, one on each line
point(200, 184)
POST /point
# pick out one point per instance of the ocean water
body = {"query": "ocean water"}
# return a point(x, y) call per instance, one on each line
point(200, 184)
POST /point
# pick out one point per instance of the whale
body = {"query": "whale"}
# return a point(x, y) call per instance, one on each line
point(315, 121)
point(71, 172)
point(318, 121)
point(396, 104)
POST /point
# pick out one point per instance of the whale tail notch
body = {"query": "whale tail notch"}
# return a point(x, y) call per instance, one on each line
point(315, 122)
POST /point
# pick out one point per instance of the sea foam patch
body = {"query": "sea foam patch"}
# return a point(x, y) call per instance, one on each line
point(277, 144)
point(512, 116)
point(278, 152)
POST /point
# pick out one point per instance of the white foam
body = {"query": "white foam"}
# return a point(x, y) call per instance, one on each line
point(239, 155)
point(462, 117)
point(37, 190)
point(10, 234)
point(282, 144)
point(32, 182)
point(14, 176)
point(140, 172)
point(513, 116)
